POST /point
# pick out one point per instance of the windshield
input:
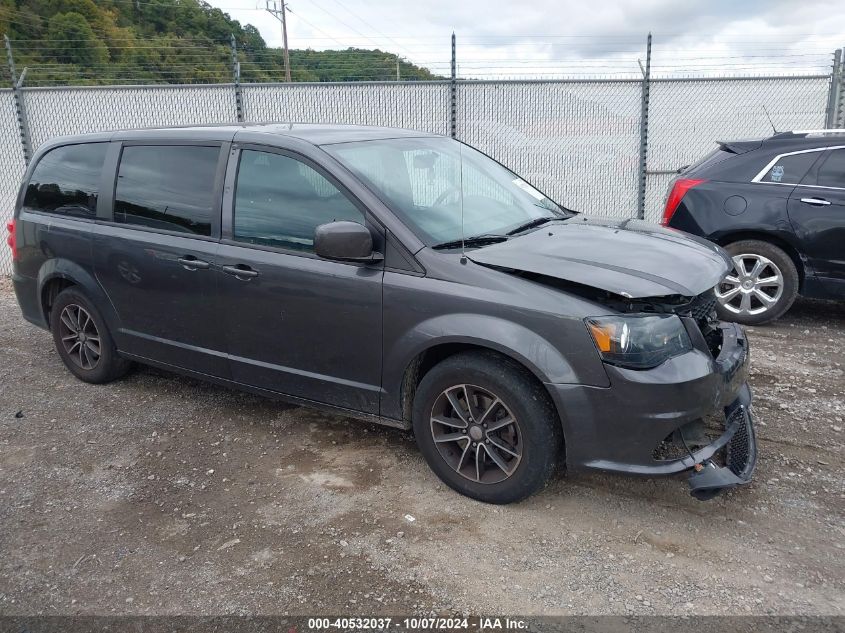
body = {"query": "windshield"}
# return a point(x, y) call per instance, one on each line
point(426, 181)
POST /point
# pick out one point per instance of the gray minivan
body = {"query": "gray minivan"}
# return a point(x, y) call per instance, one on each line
point(396, 276)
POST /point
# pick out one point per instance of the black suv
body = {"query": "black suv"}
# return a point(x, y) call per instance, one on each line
point(395, 276)
point(777, 205)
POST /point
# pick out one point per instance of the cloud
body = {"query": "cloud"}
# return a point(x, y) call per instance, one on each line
point(554, 37)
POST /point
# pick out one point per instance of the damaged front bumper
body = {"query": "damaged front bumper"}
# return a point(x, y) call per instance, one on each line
point(623, 427)
point(729, 460)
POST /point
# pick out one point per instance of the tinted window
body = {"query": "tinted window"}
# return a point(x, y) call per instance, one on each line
point(713, 158)
point(790, 169)
point(832, 170)
point(66, 181)
point(167, 187)
point(279, 201)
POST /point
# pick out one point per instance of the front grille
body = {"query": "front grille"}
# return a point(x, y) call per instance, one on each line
point(703, 307)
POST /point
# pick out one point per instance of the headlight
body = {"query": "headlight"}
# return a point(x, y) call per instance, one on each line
point(639, 341)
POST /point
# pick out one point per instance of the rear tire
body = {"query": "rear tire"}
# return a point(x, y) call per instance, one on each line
point(477, 450)
point(761, 287)
point(82, 339)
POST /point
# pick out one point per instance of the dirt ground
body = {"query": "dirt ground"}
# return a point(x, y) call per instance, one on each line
point(162, 495)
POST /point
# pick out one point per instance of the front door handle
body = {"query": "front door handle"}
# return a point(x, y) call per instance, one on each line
point(816, 202)
point(241, 271)
point(192, 263)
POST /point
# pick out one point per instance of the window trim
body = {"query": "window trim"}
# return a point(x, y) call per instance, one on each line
point(217, 197)
point(758, 178)
point(51, 214)
point(227, 226)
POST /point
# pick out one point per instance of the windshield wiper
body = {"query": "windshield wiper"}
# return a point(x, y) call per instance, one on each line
point(475, 240)
point(532, 223)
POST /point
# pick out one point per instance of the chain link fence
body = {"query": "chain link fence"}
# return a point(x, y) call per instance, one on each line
point(55, 112)
point(11, 169)
point(576, 140)
point(419, 106)
point(687, 117)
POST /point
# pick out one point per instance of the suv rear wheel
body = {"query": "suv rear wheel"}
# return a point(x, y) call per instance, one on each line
point(486, 427)
point(83, 340)
point(761, 287)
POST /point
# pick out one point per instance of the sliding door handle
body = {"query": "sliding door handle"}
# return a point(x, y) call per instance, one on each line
point(241, 271)
point(192, 263)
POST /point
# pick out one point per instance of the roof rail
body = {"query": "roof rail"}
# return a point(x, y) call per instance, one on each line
point(813, 133)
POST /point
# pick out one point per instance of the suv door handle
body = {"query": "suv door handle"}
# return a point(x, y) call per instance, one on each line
point(241, 271)
point(816, 202)
point(192, 263)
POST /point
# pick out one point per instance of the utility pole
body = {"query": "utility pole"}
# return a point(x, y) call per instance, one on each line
point(397, 69)
point(277, 9)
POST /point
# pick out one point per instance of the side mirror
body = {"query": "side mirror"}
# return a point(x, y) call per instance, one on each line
point(346, 242)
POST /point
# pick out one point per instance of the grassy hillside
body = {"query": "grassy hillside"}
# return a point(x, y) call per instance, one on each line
point(166, 41)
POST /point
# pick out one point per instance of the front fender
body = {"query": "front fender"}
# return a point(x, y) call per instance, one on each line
point(537, 354)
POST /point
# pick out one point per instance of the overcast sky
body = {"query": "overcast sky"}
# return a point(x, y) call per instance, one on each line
point(547, 38)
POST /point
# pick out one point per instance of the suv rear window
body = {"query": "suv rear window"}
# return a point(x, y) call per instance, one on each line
point(169, 187)
point(713, 158)
point(66, 181)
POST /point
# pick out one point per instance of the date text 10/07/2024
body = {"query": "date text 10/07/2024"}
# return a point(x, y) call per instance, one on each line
point(418, 624)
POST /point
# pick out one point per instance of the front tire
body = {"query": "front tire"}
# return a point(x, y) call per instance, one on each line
point(762, 285)
point(486, 427)
point(82, 339)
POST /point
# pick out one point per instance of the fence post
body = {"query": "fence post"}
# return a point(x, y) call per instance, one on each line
point(17, 95)
point(831, 119)
point(453, 95)
point(236, 76)
point(641, 185)
point(839, 106)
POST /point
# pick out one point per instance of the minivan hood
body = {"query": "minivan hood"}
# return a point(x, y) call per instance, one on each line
point(631, 258)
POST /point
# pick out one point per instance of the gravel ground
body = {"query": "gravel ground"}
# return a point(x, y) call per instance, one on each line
point(162, 495)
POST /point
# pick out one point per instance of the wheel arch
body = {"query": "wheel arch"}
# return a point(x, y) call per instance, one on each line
point(775, 240)
point(58, 274)
point(426, 359)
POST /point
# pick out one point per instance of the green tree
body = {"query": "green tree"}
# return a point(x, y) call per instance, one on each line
point(72, 40)
point(166, 41)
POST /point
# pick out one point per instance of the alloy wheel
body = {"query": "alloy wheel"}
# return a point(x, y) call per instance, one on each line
point(80, 337)
point(753, 287)
point(476, 434)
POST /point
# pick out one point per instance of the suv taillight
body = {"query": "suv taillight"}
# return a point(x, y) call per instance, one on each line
point(679, 190)
point(12, 240)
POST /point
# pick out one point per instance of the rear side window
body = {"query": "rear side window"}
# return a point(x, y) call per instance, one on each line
point(169, 187)
point(280, 201)
point(66, 181)
point(832, 170)
point(790, 169)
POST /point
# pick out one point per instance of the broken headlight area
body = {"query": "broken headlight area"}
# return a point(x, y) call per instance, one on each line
point(640, 341)
point(721, 451)
point(697, 312)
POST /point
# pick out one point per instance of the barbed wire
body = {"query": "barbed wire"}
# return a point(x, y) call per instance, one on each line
point(185, 60)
